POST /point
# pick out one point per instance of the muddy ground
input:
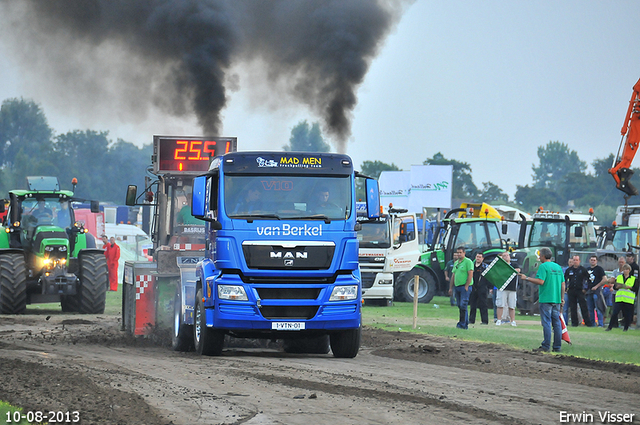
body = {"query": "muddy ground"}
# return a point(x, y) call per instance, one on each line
point(56, 362)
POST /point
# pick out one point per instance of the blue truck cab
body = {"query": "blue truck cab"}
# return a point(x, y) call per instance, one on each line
point(281, 253)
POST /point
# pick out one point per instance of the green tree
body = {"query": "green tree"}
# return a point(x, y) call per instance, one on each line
point(103, 168)
point(305, 138)
point(127, 166)
point(492, 193)
point(25, 142)
point(463, 186)
point(84, 155)
point(556, 161)
point(374, 168)
point(530, 198)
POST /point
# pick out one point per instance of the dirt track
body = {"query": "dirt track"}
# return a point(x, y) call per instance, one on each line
point(86, 364)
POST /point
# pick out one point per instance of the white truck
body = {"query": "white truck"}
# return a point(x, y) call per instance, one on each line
point(388, 246)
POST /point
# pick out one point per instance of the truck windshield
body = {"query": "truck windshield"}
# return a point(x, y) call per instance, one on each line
point(478, 234)
point(547, 233)
point(622, 239)
point(287, 197)
point(374, 234)
point(53, 211)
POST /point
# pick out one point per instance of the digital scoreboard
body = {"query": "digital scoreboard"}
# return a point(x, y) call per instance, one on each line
point(188, 154)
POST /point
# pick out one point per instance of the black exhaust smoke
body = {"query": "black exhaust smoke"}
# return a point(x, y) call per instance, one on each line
point(175, 55)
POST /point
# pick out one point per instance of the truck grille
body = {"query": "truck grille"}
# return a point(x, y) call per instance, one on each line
point(288, 293)
point(288, 256)
point(289, 312)
point(368, 279)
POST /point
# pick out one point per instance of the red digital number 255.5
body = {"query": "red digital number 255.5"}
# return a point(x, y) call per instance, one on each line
point(192, 147)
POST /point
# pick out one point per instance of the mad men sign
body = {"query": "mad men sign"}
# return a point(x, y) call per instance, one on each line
point(423, 186)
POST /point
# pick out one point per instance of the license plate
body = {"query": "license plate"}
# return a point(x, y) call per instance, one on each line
point(287, 326)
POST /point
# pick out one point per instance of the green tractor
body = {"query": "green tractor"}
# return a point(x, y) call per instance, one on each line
point(566, 235)
point(458, 229)
point(45, 256)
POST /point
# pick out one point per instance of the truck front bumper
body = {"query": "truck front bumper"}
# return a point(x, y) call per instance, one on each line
point(382, 288)
point(261, 313)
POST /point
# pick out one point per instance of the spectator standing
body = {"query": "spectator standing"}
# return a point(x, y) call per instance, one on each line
point(608, 290)
point(575, 277)
point(631, 261)
point(635, 272)
point(462, 280)
point(507, 297)
point(625, 298)
point(447, 276)
point(550, 299)
point(565, 307)
point(595, 281)
point(479, 292)
point(112, 252)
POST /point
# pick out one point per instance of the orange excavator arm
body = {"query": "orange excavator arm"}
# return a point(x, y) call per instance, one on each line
point(621, 168)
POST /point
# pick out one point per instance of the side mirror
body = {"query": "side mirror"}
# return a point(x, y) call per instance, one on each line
point(132, 194)
point(505, 228)
point(95, 207)
point(199, 198)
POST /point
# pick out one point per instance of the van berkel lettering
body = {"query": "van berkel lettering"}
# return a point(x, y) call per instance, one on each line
point(289, 230)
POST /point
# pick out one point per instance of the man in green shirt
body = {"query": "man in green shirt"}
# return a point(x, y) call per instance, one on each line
point(550, 299)
point(461, 280)
point(184, 215)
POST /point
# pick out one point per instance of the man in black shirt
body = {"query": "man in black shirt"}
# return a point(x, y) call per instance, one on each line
point(635, 270)
point(595, 282)
point(479, 292)
point(575, 277)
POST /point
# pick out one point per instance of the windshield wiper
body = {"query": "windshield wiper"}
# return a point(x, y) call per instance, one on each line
point(326, 219)
point(250, 217)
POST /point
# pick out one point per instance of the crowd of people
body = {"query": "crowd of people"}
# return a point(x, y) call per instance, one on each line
point(585, 295)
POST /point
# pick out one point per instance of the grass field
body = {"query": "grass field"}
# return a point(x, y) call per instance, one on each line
point(591, 343)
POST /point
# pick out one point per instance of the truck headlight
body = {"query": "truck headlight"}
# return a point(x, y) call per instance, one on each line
point(232, 292)
point(344, 293)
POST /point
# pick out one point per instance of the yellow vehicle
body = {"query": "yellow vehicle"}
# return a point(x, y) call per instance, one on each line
point(478, 210)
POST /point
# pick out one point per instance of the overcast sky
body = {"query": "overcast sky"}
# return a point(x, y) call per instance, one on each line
point(484, 82)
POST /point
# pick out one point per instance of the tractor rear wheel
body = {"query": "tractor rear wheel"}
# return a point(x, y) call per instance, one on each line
point(403, 287)
point(13, 283)
point(92, 289)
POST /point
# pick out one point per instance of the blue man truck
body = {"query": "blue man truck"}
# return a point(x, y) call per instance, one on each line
point(281, 251)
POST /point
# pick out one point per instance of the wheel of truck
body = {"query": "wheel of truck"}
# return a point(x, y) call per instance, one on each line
point(91, 291)
point(403, 288)
point(182, 336)
point(317, 345)
point(208, 341)
point(345, 344)
point(13, 283)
